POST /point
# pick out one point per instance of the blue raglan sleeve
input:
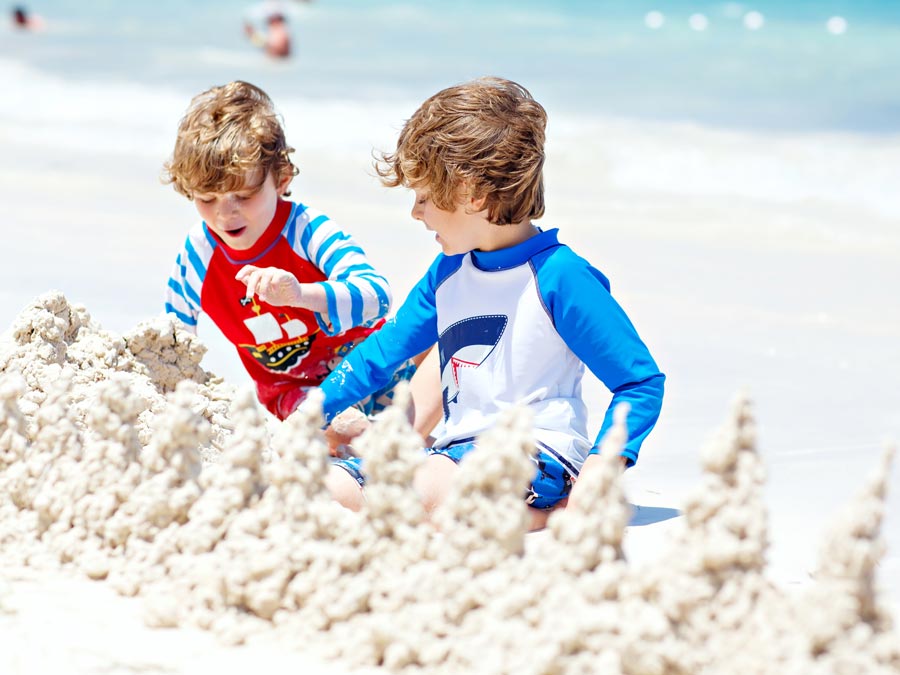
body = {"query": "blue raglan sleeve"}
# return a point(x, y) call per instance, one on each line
point(598, 332)
point(372, 364)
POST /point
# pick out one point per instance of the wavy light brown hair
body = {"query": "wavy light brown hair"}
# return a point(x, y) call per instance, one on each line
point(485, 137)
point(227, 133)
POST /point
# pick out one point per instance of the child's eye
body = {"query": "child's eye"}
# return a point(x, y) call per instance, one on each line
point(208, 200)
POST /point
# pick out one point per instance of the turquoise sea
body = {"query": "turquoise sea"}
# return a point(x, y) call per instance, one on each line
point(774, 65)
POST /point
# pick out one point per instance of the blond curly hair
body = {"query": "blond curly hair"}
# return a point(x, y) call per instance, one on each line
point(227, 133)
point(482, 139)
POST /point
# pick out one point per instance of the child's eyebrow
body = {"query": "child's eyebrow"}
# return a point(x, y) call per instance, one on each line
point(254, 188)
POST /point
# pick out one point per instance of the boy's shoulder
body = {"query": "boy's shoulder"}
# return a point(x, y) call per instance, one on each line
point(561, 267)
point(443, 266)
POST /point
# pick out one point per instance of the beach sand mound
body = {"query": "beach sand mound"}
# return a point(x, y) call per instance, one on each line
point(122, 456)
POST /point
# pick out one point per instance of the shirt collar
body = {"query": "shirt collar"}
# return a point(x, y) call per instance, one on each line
point(505, 258)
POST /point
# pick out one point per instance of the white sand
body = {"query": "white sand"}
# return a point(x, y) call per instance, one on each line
point(112, 464)
point(744, 260)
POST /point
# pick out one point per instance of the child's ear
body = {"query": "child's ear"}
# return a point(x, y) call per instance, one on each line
point(282, 187)
point(477, 204)
point(473, 202)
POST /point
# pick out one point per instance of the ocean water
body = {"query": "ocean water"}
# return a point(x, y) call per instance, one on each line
point(792, 104)
point(794, 65)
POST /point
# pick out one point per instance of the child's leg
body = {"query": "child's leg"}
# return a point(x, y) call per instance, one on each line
point(433, 480)
point(548, 491)
point(538, 517)
point(345, 483)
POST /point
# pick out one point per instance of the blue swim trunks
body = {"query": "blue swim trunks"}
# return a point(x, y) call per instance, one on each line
point(552, 482)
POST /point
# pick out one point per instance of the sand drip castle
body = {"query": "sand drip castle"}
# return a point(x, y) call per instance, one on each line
point(121, 456)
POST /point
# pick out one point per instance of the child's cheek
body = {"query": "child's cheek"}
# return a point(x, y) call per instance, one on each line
point(206, 212)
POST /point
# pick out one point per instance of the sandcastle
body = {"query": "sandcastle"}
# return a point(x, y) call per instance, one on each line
point(121, 456)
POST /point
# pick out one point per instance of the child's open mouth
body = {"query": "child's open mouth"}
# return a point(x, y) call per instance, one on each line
point(235, 233)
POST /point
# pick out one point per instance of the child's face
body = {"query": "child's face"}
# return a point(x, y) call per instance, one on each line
point(458, 231)
point(241, 217)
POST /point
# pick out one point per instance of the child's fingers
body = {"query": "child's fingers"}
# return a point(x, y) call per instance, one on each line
point(263, 287)
point(244, 271)
point(250, 276)
point(252, 282)
point(274, 287)
point(266, 283)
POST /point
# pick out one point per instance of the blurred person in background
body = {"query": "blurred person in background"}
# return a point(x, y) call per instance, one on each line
point(275, 40)
point(23, 20)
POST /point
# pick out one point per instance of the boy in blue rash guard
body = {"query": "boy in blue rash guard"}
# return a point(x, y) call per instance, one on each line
point(516, 314)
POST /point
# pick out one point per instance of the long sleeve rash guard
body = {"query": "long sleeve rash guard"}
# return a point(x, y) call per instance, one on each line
point(284, 349)
point(515, 326)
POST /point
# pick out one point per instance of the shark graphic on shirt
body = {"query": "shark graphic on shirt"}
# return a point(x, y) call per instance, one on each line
point(466, 344)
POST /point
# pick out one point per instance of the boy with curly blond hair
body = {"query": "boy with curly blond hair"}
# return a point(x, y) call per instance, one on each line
point(290, 289)
point(516, 314)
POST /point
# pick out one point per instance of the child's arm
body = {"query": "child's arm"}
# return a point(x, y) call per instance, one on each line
point(256, 38)
point(427, 398)
point(372, 364)
point(354, 293)
point(183, 288)
point(599, 333)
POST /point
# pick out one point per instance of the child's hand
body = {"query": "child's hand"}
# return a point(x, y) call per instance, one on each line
point(343, 429)
point(273, 285)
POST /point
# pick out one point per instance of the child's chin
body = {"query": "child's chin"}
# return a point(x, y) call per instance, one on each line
point(237, 239)
point(239, 245)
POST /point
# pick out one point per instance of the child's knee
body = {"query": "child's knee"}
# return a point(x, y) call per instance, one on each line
point(344, 488)
point(433, 480)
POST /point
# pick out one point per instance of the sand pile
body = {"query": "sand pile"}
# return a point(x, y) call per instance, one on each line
point(120, 455)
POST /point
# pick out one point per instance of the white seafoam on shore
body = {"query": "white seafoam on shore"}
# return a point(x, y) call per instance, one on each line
point(744, 258)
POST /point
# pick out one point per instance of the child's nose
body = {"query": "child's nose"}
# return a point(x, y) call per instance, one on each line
point(229, 204)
